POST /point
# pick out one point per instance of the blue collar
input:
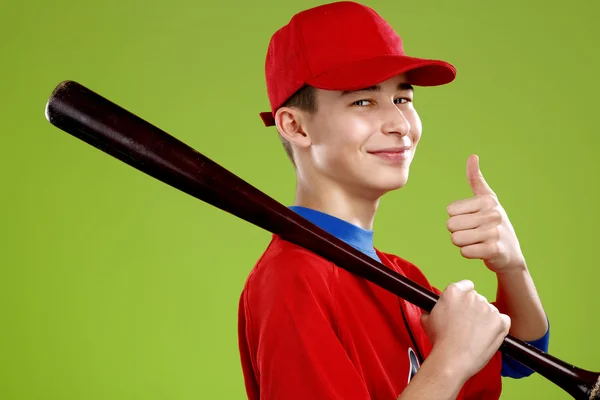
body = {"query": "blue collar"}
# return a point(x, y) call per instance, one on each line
point(357, 237)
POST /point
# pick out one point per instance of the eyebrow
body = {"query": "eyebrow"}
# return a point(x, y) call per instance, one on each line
point(377, 88)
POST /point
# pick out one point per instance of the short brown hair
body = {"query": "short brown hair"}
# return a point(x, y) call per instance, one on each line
point(304, 99)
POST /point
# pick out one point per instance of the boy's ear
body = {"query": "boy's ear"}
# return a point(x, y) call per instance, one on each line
point(291, 124)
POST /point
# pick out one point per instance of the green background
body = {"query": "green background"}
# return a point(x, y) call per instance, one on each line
point(116, 286)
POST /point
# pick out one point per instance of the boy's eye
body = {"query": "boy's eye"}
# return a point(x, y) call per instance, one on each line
point(363, 102)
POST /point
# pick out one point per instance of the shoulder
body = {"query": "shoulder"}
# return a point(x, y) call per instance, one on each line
point(407, 268)
point(284, 266)
point(289, 281)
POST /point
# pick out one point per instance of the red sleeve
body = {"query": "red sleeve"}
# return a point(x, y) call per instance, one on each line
point(290, 330)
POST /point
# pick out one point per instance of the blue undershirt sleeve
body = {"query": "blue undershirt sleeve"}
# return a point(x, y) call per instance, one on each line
point(514, 369)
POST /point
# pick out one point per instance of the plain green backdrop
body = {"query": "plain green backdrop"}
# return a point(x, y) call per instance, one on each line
point(116, 286)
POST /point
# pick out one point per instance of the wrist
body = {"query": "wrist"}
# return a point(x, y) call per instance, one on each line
point(449, 368)
point(512, 270)
point(438, 378)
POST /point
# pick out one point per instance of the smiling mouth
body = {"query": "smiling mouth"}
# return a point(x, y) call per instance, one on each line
point(393, 154)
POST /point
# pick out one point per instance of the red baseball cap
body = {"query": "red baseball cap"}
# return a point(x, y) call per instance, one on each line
point(341, 46)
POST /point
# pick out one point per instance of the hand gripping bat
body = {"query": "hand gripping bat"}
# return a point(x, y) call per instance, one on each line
point(103, 124)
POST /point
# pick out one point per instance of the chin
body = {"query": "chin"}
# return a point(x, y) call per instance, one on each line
point(388, 185)
point(375, 183)
point(395, 186)
point(394, 179)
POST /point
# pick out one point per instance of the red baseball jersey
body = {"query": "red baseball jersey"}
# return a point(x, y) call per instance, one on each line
point(311, 330)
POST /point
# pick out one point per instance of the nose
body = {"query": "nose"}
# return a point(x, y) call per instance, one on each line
point(394, 121)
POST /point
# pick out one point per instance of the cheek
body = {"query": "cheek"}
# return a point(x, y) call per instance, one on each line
point(357, 132)
point(345, 133)
point(415, 125)
point(338, 144)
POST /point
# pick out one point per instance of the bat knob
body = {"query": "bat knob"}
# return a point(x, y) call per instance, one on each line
point(59, 91)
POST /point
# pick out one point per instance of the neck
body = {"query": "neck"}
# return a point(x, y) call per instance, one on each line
point(335, 201)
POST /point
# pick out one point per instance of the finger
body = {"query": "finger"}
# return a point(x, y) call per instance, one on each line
point(468, 237)
point(474, 236)
point(464, 222)
point(476, 180)
point(479, 250)
point(471, 221)
point(467, 206)
point(465, 285)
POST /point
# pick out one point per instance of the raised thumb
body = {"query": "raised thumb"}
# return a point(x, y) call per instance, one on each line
point(476, 180)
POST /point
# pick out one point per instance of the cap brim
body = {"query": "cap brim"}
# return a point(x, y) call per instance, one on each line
point(370, 72)
point(366, 73)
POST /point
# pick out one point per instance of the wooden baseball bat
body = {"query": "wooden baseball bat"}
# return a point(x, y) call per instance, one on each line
point(103, 124)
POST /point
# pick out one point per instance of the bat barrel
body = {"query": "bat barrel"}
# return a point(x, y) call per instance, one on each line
point(88, 116)
point(97, 121)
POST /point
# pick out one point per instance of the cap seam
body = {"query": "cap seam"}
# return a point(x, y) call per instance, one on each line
point(305, 53)
point(378, 17)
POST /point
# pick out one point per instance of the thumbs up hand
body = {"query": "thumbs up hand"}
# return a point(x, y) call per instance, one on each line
point(480, 226)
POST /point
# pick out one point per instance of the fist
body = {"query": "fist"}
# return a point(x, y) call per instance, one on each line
point(480, 227)
point(464, 329)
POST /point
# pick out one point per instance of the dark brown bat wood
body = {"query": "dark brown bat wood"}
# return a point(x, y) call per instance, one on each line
point(103, 124)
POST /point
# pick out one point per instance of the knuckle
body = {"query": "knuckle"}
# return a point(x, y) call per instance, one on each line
point(505, 322)
point(482, 305)
point(471, 297)
point(457, 288)
point(508, 323)
point(490, 201)
point(496, 214)
point(494, 233)
point(498, 232)
point(452, 288)
point(493, 215)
